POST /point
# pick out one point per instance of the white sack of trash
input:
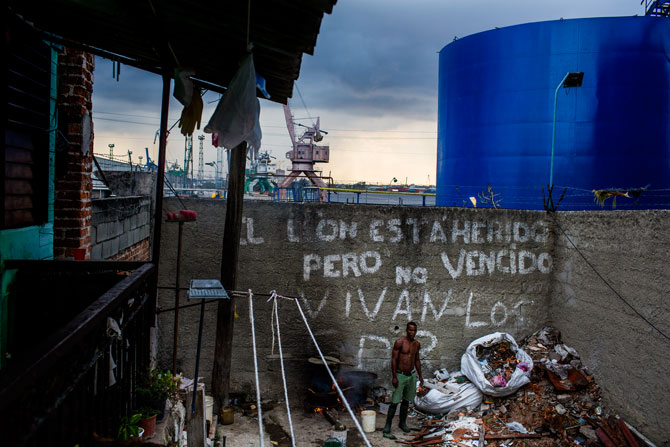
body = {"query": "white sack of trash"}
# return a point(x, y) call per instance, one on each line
point(443, 397)
point(472, 367)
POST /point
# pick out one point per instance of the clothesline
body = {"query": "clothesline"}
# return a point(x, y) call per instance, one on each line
point(275, 311)
point(236, 293)
point(275, 323)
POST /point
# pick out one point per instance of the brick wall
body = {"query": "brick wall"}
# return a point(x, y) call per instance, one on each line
point(73, 185)
point(138, 252)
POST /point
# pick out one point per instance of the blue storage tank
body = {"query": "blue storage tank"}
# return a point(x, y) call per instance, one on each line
point(496, 103)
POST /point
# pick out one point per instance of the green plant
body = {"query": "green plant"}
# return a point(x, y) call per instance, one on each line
point(128, 427)
point(157, 386)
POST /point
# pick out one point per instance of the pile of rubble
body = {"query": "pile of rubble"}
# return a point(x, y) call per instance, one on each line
point(560, 406)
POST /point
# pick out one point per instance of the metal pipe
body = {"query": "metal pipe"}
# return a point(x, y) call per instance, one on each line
point(175, 330)
point(553, 134)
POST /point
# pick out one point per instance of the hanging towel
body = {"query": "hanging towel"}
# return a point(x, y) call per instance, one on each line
point(236, 118)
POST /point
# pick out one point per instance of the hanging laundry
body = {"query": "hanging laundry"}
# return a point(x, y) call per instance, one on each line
point(112, 366)
point(113, 329)
point(236, 118)
point(191, 116)
point(261, 85)
point(114, 332)
point(183, 86)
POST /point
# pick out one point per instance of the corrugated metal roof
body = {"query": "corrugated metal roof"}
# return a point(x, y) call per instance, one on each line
point(211, 37)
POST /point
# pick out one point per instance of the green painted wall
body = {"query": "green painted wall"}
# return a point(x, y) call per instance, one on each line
point(34, 242)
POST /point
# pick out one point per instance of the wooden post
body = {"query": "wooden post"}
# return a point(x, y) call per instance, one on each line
point(229, 254)
point(158, 207)
point(162, 146)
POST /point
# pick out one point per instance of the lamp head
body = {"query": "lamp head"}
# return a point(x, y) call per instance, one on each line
point(574, 79)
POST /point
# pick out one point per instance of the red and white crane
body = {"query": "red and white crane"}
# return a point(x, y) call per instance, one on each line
point(305, 153)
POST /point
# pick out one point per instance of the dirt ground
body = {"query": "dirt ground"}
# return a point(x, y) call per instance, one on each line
point(310, 429)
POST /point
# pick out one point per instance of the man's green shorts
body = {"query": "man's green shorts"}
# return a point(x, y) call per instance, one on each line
point(406, 389)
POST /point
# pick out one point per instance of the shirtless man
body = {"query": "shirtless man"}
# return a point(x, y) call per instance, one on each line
point(405, 367)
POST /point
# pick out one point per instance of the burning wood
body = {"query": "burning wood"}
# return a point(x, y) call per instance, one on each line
point(328, 414)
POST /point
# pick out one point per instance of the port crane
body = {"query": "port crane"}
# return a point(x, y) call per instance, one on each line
point(305, 152)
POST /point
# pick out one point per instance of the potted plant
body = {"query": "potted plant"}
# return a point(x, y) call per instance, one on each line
point(155, 388)
point(129, 428)
point(148, 421)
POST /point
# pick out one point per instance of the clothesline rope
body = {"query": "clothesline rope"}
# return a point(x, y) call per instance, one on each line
point(275, 314)
point(335, 384)
point(275, 311)
point(273, 296)
point(258, 387)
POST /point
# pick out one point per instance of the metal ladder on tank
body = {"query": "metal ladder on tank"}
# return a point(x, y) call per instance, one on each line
point(657, 8)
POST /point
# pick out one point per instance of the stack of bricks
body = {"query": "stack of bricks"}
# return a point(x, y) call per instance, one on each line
point(73, 184)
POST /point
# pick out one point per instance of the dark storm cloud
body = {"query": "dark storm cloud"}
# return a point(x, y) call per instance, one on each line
point(136, 89)
point(131, 105)
point(380, 57)
point(373, 57)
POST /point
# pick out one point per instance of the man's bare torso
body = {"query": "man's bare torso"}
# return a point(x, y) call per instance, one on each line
point(407, 351)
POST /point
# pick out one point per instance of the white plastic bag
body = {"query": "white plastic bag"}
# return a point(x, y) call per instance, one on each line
point(472, 369)
point(444, 397)
point(236, 118)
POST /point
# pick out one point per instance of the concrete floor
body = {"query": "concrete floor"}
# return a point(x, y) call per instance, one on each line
point(310, 430)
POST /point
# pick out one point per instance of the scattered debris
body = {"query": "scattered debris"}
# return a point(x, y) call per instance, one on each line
point(560, 406)
point(558, 403)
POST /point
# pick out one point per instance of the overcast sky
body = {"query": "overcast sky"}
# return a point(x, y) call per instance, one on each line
point(372, 80)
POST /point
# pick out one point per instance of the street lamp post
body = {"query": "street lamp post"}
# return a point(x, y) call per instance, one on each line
point(392, 181)
point(216, 173)
point(571, 79)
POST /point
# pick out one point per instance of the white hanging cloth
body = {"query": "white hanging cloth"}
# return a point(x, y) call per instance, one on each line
point(236, 118)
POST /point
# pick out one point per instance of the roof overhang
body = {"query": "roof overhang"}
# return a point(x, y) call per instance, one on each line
point(208, 36)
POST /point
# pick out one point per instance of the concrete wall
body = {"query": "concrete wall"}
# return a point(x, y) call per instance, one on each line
point(362, 273)
point(120, 225)
point(629, 359)
point(134, 183)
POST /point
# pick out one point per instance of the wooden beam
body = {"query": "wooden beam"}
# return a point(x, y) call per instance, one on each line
point(229, 254)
